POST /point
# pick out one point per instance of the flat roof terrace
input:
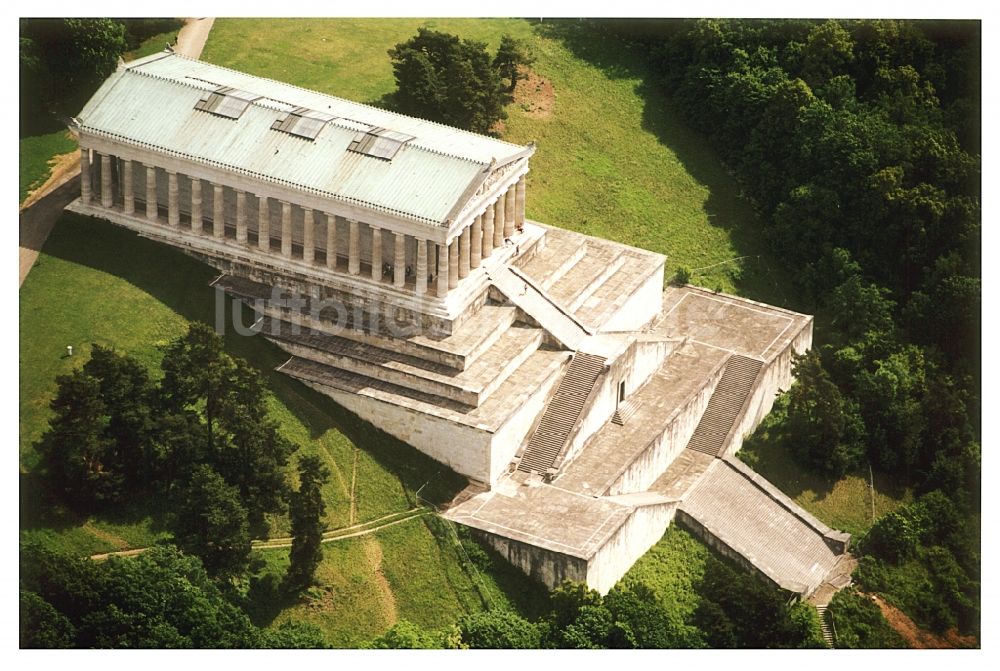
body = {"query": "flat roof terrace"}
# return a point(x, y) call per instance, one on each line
point(737, 325)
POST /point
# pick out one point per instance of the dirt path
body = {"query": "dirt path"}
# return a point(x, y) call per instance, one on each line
point(356, 531)
point(353, 513)
point(373, 552)
point(916, 637)
point(117, 541)
point(192, 37)
point(35, 221)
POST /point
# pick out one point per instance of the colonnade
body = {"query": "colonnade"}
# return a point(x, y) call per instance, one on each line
point(476, 242)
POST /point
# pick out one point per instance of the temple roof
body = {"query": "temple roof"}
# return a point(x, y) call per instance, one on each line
point(281, 133)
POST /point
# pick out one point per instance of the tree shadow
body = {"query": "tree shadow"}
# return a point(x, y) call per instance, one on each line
point(756, 276)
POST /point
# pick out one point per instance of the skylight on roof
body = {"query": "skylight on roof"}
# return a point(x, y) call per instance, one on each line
point(379, 143)
point(303, 122)
point(226, 101)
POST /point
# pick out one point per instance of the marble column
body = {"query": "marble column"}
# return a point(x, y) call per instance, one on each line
point(218, 212)
point(151, 193)
point(286, 229)
point(519, 201)
point(488, 232)
point(376, 253)
point(263, 224)
point(241, 217)
point(510, 208)
point(128, 187)
point(107, 199)
point(85, 194)
point(497, 225)
point(195, 205)
point(464, 253)
point(308, 233)
point(173, 208)
point(500, 217)
point(421, 284)
point(453, 264)
point(476, 241)
point(331, 241)
point(399, 261)
point(353, 248)
point(442, 277)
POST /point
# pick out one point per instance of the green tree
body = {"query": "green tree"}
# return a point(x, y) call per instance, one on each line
point(78, 53)
point(194, 372)
point(127, 392)
point(446, 79)
point(499, 629)
point(405, 635)
point(306, 511)
point(211, 523)
point(823, 427)
point(241, 441)
point(41, 625)
point(827, 52)
point(511, 56)
point(293, 635)
point(76, 451)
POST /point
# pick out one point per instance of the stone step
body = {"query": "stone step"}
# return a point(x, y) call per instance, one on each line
point(590, 269)
point(624, 412)
point(609, 298)
point(824, 625)
point(562, 413)
point(470, 387)
point(725, 404)
point(562, 251)
point(459, 350)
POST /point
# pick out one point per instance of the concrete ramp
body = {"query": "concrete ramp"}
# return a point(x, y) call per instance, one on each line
point(523, 293)
point(749, 520)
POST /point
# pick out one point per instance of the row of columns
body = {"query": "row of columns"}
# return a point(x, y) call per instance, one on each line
point(454, 261)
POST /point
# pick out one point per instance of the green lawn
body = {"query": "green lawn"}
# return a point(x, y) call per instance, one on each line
point(35, 154)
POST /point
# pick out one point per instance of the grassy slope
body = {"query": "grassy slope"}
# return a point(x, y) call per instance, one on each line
point(98, 283)
point(35, 154)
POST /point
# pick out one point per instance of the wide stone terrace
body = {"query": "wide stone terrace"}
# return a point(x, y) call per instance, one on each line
point(737, 325)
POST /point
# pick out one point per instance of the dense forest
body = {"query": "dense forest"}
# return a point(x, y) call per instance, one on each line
point(858, 143)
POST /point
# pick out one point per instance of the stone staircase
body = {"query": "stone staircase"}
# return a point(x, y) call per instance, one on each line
point(562, 413)
point(725, 405)
point(624, 412)
point(824, 625)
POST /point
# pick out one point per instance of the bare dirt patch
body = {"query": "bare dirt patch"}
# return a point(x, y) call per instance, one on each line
point(916, 637)
point(534, 95)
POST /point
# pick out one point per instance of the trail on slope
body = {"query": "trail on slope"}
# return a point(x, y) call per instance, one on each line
point(373, 552)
